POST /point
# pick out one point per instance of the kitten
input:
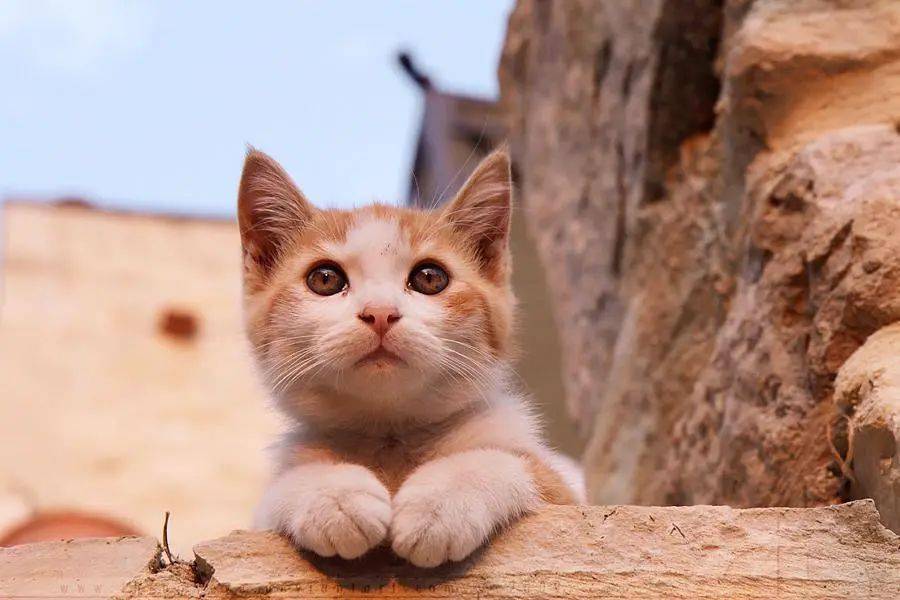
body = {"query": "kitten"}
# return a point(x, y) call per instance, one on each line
point(384, 333)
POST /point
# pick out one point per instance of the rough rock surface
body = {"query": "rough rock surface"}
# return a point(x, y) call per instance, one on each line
point(714, 188)
point(867, 390)
point(89, 568)
point(839, 552)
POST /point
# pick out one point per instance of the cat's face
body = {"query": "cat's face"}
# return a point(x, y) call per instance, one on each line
point(379, 311)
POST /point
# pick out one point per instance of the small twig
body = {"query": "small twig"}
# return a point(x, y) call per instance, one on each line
point(844, 462)
point(165, 540)
point(678, 529)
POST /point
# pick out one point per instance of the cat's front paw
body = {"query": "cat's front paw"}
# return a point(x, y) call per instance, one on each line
point(347, 514)
point(433, 526)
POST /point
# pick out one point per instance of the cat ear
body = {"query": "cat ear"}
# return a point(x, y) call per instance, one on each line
point(270, 209)
point(481, 213)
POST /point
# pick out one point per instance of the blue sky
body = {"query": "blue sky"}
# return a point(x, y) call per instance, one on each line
point(149, 105)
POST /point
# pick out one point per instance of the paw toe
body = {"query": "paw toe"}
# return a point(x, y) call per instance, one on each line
point(312, 539)
point(431, 551)
point(350, 544)
point(461, 547)
point(424, 544)
point(371, 516)
point(403, 542)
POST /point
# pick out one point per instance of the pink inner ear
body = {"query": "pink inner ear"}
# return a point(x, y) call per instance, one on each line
point(484, 200)
point(481, 213)
point(270, 208)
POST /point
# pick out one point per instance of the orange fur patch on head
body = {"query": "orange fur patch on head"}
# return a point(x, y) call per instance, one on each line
point(325, 226)
point(472, 301)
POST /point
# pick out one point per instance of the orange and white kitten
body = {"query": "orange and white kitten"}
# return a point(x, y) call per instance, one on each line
point(383, 333)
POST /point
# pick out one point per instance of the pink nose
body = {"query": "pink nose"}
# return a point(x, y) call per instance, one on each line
point(379, 318)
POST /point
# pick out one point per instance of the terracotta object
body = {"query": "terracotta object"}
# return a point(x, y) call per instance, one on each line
point(63, 525)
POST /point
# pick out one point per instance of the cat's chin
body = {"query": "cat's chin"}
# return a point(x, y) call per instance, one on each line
point(380, 359)
point(379, 373)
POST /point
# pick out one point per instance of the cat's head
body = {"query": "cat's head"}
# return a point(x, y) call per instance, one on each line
point(378, 312)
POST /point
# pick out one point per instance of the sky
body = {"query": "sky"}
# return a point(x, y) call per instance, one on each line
point(150, 105)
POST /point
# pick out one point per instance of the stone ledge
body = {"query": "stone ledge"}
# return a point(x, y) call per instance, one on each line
point(562, 552)
point(86, 568)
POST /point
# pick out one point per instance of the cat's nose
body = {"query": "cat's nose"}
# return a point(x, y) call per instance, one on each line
point(379, 318)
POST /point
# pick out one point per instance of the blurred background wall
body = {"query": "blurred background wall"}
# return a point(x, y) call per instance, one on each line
point(126, 386)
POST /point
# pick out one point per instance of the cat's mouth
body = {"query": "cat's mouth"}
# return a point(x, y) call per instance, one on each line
point(381, 356)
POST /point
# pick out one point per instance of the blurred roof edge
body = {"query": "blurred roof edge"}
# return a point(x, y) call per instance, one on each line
point(455, 131)
point(77, 203)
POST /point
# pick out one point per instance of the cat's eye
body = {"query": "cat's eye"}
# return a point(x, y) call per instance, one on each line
point(326, 280)
point(428, 278)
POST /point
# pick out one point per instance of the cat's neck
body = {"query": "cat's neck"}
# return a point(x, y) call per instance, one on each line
point(325, 411)
point(388, 433)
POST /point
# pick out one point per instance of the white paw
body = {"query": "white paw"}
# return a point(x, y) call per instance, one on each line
point(346, 514)
point(433, 526)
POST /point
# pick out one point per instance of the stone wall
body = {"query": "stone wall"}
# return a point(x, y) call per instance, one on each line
point(715, 190)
